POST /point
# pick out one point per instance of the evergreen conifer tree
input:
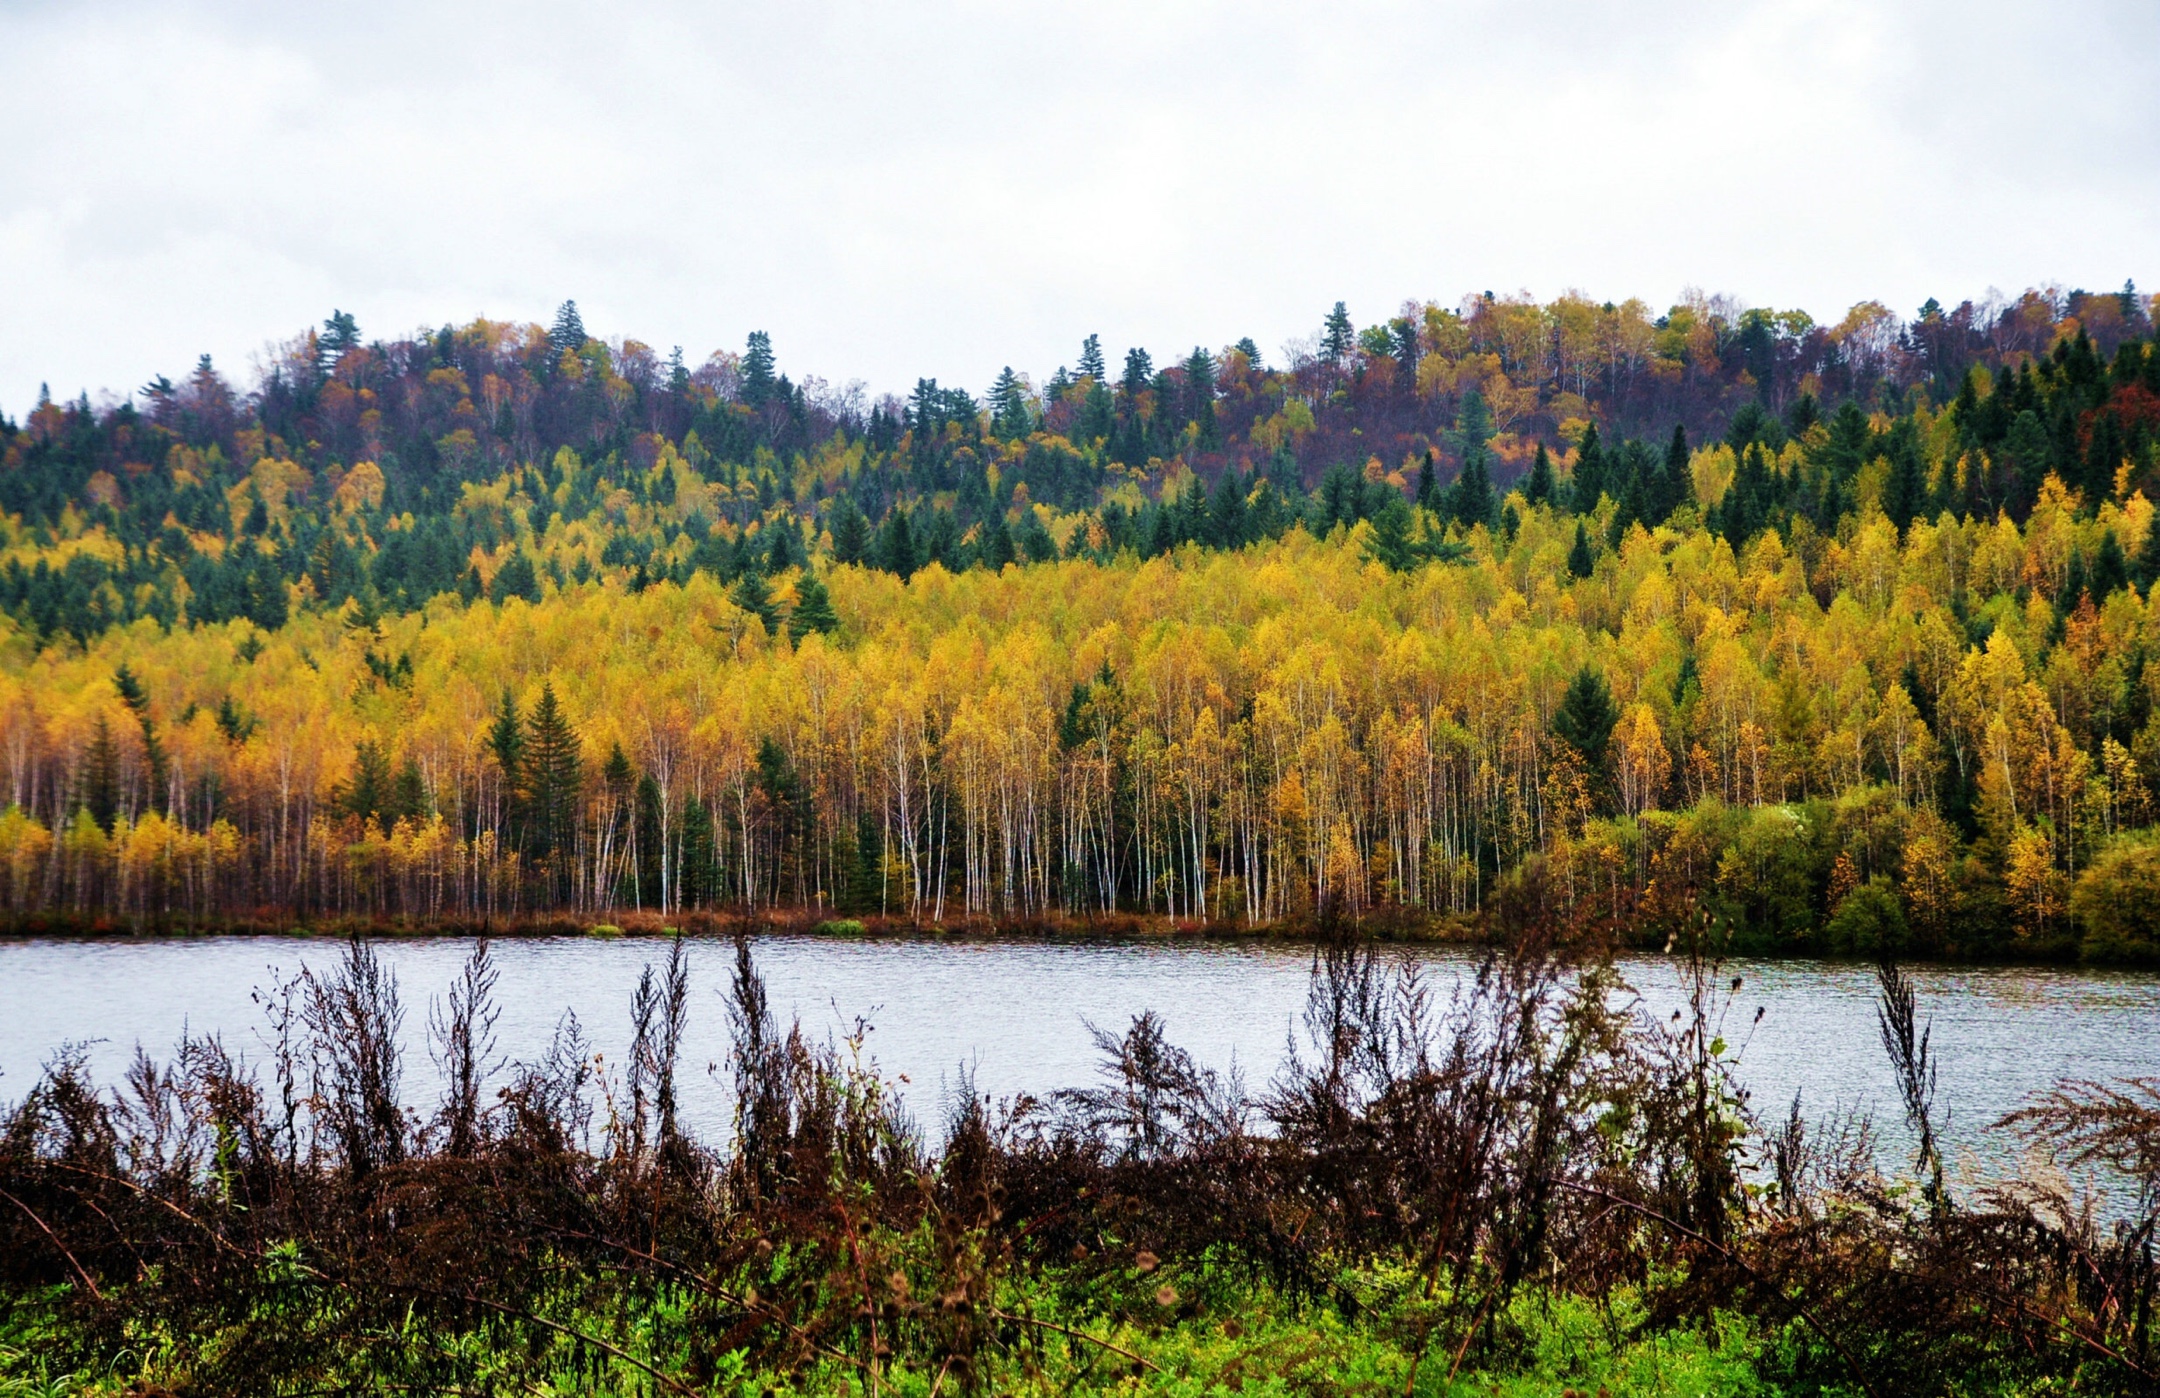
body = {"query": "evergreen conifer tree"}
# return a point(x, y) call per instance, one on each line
point(1580, 563)
point(1538, 485)
point(1035, 542)
point(341, 332)
point(753, 595)
point(850, 531)
point(649, 838)
point(1472, 501)
point(1586, 717)
point(369, 795)
point(1391, 545)
point(784, 548)
point(2148, 560)
point(897, 550)
point(2110, 570)
point(100, 781)
point(1589, 484)
point(994, 548)
point(409, 797)
point(756, 376)
point(1010, 418)
point(1337, 336)
point(552, 767)
point(567, 334)
point(1226, 510)
point(516, 578)
point(506, 742)
point(1678, 483)
point(813, 607)
point(137, 700)
point(1098, 415)
point(699, 879)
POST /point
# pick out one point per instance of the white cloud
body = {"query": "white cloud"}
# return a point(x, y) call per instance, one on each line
point(943, 187)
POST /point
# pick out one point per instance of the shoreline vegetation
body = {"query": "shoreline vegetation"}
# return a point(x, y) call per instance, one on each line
point(1528, 1186)
point(1399, 928)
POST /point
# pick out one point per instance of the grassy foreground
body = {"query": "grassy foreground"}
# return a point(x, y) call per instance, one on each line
point(1226, 1339)
point(1518, 1185)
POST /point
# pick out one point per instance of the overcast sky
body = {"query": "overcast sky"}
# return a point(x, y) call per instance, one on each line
point(940, 188)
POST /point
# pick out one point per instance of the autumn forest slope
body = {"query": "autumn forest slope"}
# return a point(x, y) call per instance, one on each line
point(1832, 636)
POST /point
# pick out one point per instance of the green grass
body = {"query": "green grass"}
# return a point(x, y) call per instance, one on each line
point(1251, 1342)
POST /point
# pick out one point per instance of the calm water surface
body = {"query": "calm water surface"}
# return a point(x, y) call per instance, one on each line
point(1016, 1014)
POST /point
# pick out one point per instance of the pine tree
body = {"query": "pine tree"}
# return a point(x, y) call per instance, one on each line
point(369, 794)
point(1337, 336)
point(516, 578)
point(1538, 486)
point(995, 548)
point(506, 742)
point(409, 797)
point(1139, 373)
point(1428, 481)
point(2110, 570)
point(1091, 358)
point(553, 776)
point(1678, 484)
point(567, 334)
point(784, 546)
point(1589, 485)
point(698, 877)
point(813, 607)
point(340, 333)
point(1586, 717)
point(1580, 563)
point(100, 780)
point(264, 590)
point(137, 700)
point(897, 550)
point(756, 376)
point(1098, 415)
point(786, 799)
point(753, 595)
point(1904, 493)
point(1200, 395)
point(850, 532)
point(650, 845)
point(1226, 510)
point(1471, 497)
point(1010, 418)
point(616, 773)
point(1390, 545)
point(1035, 542)
point(2148, 560)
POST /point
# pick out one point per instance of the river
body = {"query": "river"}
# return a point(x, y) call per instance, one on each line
point(1015, 1014)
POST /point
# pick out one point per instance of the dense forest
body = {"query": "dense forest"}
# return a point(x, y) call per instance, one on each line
point(1834, 636)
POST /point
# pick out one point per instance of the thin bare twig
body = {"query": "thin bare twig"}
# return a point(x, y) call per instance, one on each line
point(46, 1229)
point(1076, 1334)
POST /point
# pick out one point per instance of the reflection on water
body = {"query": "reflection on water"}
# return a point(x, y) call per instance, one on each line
point(1017, 1013)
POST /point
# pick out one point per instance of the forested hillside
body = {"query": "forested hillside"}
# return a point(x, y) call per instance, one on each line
point(1836, 634)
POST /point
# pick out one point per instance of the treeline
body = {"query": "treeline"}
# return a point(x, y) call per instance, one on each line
point(499, 460)
point(1864, 666)
point(1938, 738)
